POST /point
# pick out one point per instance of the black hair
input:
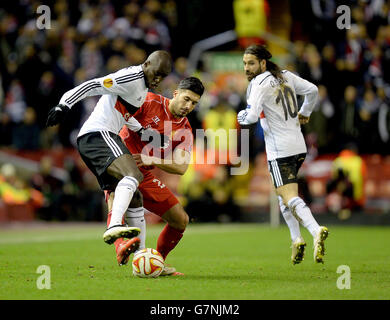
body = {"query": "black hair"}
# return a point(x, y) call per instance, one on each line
point(261, 52)
point(193, 84)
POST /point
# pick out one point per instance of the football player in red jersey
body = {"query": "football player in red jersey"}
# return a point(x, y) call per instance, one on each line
point(166, 118)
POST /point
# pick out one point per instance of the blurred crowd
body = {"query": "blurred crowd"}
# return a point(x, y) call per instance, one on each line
point(86, 39)
point(352, 70)
point(91, 38)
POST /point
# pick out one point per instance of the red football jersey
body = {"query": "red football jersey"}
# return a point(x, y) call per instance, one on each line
point(155, 114)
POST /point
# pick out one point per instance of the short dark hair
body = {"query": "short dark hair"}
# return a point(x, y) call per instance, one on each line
point(193, 84)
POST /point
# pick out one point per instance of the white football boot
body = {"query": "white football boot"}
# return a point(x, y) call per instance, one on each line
point(120, 231)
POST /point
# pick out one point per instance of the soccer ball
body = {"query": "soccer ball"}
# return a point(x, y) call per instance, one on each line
point(148, 263)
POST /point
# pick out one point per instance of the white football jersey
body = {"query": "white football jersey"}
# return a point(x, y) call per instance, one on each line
point(123, 92)
point(276, 106)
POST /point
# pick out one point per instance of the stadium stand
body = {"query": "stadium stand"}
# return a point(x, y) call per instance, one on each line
point(92, 38)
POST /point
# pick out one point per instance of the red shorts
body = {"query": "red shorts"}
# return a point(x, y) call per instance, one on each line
point(157, 198)
point(156, 195)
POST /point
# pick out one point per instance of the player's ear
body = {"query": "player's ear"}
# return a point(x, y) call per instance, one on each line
point(175, 93)
point(263, 65)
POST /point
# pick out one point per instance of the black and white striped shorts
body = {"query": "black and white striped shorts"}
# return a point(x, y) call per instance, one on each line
point(98, 150)
point(285, 170)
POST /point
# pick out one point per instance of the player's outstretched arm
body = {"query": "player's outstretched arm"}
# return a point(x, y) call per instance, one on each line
point(117, 83)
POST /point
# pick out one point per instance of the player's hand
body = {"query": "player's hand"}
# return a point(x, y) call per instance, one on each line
point(56, 115)
point(241, 117)
point(142, 160)
point(302, 119)
point(153, 136)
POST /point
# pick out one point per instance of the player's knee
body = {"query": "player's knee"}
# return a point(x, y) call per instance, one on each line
point(137, 200)
point(138, 175)
point(177, 219)
point(181, 221)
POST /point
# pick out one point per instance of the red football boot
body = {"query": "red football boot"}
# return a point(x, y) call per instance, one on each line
point(125, 248)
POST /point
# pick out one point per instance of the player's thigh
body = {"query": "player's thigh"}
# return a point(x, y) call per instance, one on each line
point(157, 198)
point(287, 192)
point(125, 165)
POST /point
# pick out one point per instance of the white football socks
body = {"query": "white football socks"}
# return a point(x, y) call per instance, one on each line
point(292, 223)
point(135, 218)
point(303, 214)
point(124, 192)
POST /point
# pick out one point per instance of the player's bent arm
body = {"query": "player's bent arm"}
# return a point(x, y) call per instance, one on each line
point(177, 165)
point(309, 102)
point(307, 89)
point(247, 116)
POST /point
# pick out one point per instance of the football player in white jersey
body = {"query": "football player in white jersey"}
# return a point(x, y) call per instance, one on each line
point(271, 96)
point(98, 142)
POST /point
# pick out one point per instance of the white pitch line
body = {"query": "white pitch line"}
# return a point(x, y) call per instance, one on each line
point(151, 231)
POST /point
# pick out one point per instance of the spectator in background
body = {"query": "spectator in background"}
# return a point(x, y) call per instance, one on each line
point(51, 187)
point(15, 191)
point(321, 124)
point(328, 65)
point(368, 133)
point(313, 70)
point(346, 188)
point(349, 116)
point(25, 135)
point(155, 33)
point(5, 130)
point(384, 120)
point(15, 104)
point(91, 59)
point(47, 97)
point(220, 119)
point(250, 21)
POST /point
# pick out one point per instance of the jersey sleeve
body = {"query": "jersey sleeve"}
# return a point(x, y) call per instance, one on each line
point(254, 108)
point(118, 83)
point(307, 89)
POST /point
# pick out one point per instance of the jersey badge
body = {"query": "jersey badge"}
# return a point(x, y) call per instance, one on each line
point(156, 119)
point(108, 83)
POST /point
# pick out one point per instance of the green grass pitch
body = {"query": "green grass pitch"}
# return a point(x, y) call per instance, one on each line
point(220, 262)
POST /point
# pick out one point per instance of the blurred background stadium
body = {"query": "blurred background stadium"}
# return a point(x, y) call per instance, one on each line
point(346, 175)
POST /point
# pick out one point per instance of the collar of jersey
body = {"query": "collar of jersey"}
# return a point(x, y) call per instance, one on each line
point(261, 76)
point(169, 113)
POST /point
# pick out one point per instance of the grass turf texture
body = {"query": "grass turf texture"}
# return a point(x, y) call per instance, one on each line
point(230, 262)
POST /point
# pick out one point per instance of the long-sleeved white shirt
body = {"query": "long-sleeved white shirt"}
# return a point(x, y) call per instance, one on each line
point(123, 92)
point(276, 106)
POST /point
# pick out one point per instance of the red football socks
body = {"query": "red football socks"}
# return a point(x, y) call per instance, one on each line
point(117, 241)
point(168, 239)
